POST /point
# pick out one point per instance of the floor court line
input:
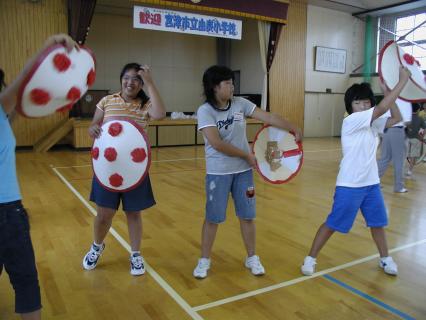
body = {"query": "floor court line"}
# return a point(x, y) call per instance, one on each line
point(247, 294)
point(369, 298)
point(300, 279)
point(183, 159)
point(179, 300)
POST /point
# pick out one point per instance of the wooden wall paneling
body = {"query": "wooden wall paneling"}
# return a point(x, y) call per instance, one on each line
point(176, 135)
point(287, 75)
point(25, 26)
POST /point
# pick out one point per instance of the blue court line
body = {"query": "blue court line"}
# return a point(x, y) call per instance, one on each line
point(370, 298)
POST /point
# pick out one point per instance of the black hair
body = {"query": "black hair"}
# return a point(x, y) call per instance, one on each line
point(212, 77)
point(358, 91)
point(415, 107)
point(135, 66)
point(2, 83)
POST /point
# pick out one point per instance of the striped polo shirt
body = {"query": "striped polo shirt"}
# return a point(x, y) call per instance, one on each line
point(115, 106)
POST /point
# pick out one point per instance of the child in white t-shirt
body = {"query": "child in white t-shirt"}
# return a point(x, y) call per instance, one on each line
point(358, 183)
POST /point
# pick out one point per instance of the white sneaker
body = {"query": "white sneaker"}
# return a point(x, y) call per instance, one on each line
point(403, 190)
point(388, 265)
point(91, 258)
point(137, 265)
point(253, 263)
point(308, 267)
point(202, 267)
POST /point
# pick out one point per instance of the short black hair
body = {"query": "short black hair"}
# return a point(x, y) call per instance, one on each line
point(2, 83)
point(415, 107)
point(135, 66)
point(358, 91)
point(212, 77)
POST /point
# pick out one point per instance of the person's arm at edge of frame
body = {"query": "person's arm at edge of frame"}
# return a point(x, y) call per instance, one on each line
point(390, 96)
point(157, 111)
point(277, 121)
point(8, 96)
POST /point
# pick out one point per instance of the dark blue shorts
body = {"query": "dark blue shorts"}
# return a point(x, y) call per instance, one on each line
point(137, 199)
point(347, 202)
point(17, 256)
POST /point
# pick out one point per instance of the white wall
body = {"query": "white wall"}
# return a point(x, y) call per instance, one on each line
point(177, 60)
point(334, 29)
point(245, 56)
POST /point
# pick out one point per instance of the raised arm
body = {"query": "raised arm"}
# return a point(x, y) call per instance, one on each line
point(212, 135)
point(390, 96)
point(157, 111)
point(277, 121)
point(8, 96)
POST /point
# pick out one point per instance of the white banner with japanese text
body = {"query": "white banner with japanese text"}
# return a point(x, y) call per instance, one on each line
point(185, 22)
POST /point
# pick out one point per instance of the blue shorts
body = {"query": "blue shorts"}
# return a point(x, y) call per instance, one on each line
point(218, 187)
point(137, 199)
point(347, 202)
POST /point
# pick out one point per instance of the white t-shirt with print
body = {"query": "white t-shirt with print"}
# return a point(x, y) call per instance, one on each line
point(358, 167)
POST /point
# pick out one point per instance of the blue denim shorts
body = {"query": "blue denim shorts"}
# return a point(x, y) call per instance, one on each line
point(347, 202)
point(241, 187)
point(136, 199)
point(17, 256)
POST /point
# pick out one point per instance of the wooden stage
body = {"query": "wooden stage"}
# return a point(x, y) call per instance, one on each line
point(348, 283)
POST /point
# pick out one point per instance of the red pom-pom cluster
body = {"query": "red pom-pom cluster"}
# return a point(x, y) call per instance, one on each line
point(91, 76)
point(138, 155)
point(116, 180)
point(39, 96)
point(61, 62)
point(110, 154)
point(95, 153)
point(408, 58)
point(74, 94)
point(115, 129)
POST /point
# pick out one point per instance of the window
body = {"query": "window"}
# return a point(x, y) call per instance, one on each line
point(394, 27)
point(405, 25)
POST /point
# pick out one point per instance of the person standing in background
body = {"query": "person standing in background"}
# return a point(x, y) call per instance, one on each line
point(394, 147)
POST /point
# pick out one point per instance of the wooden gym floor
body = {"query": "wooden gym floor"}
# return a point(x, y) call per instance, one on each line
point(348, 283)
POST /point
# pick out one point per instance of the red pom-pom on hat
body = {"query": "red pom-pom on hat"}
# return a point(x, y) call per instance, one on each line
point(115, 129)
point(74, 94)
point(110, 154)
point(138, 155)
point(91, 76)
point(116, 180)
point(61, 62)
point(95, 153)
point(39, 97)
point(408, 58)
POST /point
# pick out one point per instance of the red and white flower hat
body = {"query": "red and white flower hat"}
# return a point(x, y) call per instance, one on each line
point(57, 80)
point(121, 155)
point(391, 58)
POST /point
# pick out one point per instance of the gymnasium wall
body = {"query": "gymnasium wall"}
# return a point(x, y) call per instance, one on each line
point(24, 27)
point(177, 60)
point(287, 74)
point(329, 28)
